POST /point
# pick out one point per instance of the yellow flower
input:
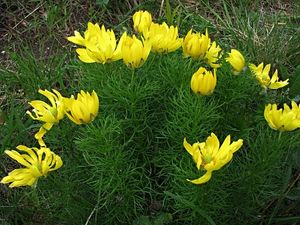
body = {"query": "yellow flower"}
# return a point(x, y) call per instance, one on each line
point(101, 45)
point(195, 45)
point(37, 162)
point(45, 112)
point(163, 38)
point(261, 74)
point(210, 156)
point(49, 114)
point(84, 109)
point(213, 54)
point(286, 119)
point(203, 82)
point(134, 51)
point(142, 21)
point(236, 60)
point(90, 35)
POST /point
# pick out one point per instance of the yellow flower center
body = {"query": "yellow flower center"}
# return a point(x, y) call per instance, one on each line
point(207, 158)
point(53, 111)
point(39, 167)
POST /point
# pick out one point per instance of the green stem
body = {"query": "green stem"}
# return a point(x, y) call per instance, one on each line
point(34, 195)
point(279, 136)
point(133, 106)
point(190, 63)
point(132, 75)
point(153, 56)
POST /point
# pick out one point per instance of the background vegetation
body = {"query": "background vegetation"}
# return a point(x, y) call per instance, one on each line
point(129, 165)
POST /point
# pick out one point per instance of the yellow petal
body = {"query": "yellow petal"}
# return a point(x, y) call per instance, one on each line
point(118, 52)
point(77, 39)
point(236, 145)
point(279, 84)
point(58, 163)
point(27, 150)
point(188, 147)
point(18, 157)
point(205, 178)
point(212, 144)
point(84, 56)
point(43, 130)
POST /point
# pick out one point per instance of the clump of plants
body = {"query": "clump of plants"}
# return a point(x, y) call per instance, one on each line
point(180, 132)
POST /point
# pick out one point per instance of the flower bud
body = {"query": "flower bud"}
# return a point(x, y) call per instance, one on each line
point(84, 109)
point(134, 51)
point(142, 21)
point(236, 60)
point(204, 82)
point(195, 45)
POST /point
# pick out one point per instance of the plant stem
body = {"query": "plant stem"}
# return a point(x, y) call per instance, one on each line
point(132, 75)
point(279, 136)
point(190, 63)
point(34, 195)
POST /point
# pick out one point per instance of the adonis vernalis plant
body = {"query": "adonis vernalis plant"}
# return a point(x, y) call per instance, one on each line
point(130, 159)
point(39, 162)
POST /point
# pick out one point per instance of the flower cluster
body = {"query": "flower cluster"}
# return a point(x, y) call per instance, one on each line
point(39, 161)
point(100, 45)
point(161, 38)
point(81, 110)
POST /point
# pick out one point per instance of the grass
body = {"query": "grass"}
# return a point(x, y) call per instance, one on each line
point(129, 165)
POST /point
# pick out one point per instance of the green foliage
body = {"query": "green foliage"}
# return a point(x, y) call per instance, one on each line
point(264, 36)
point(129, 165)
point(295, 83)
point(17, 125)
point(170, 14)
point(31, 74)
point(160, 219)
point(102, 2)
point(114, 171)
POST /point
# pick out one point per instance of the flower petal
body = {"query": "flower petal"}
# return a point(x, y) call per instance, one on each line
point(205, 178)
